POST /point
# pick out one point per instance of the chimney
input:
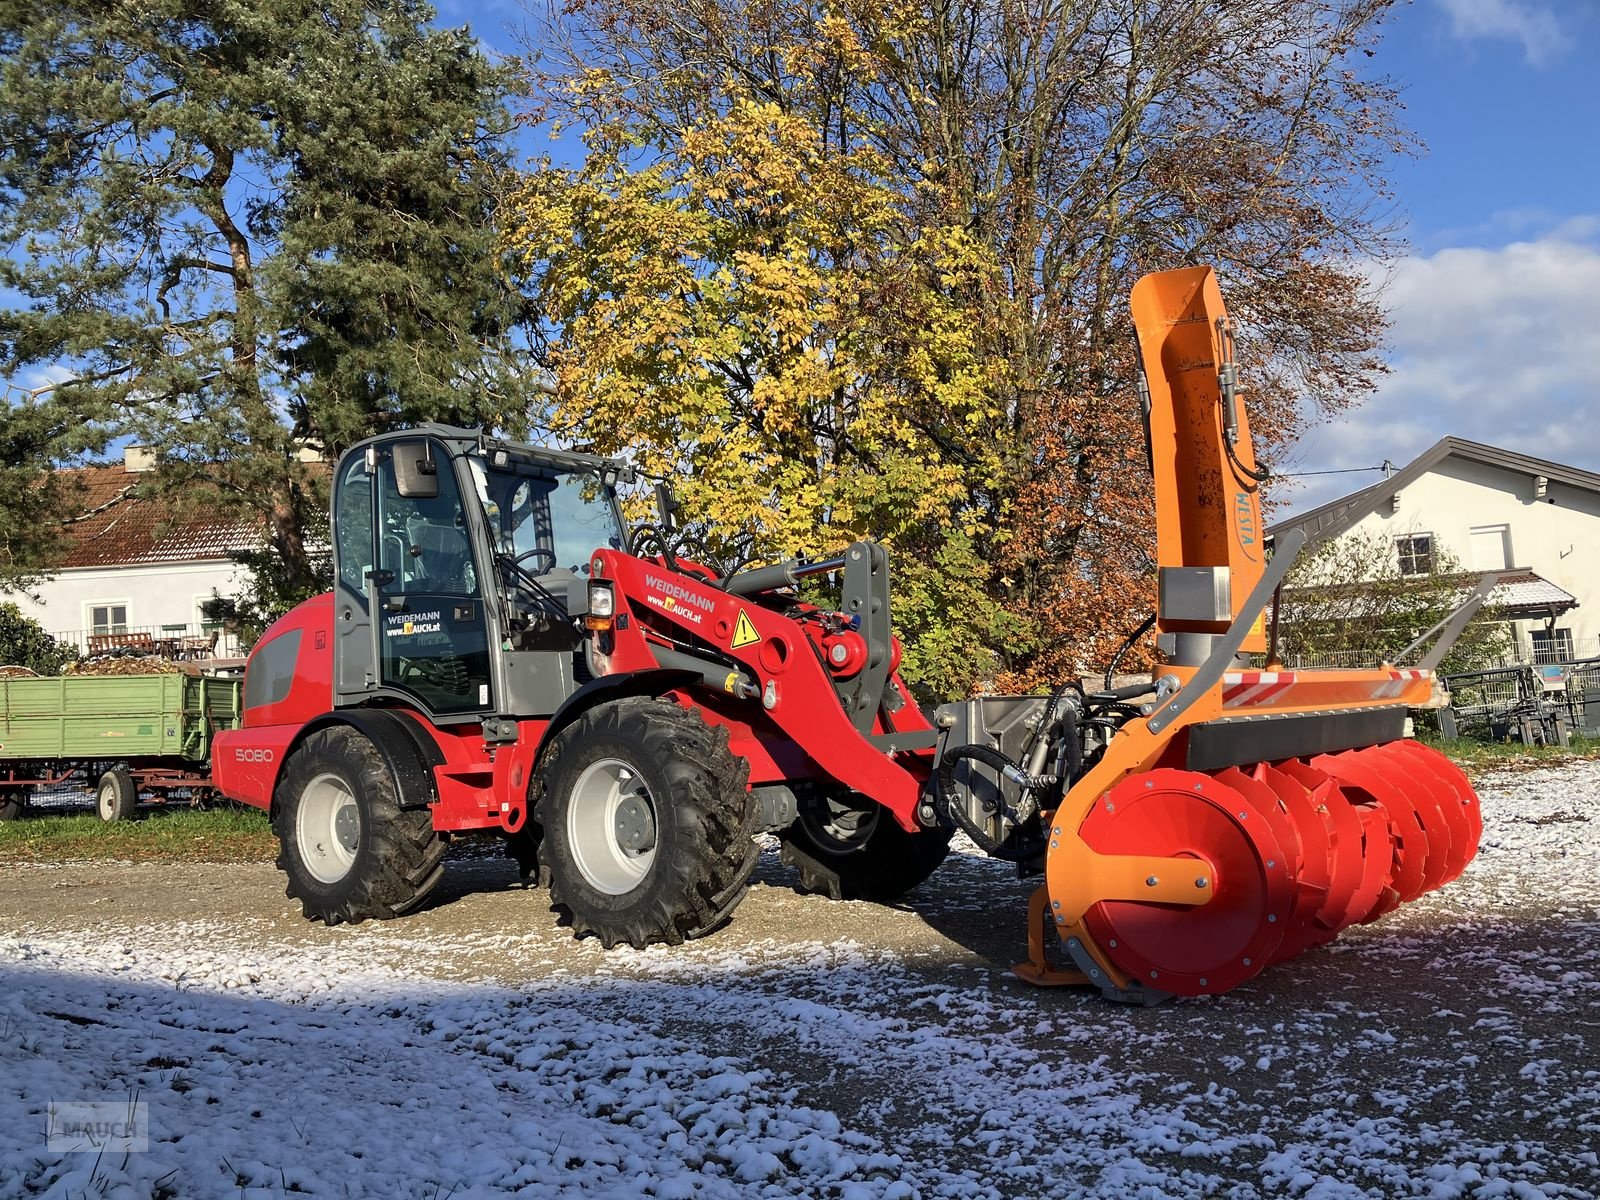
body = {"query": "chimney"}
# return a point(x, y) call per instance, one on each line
point(137, 459)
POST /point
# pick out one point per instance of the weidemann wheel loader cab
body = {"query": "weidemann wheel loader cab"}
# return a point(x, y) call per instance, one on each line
point(493, 657)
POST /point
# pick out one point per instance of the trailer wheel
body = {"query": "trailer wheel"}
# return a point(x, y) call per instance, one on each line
point(649, 827)
point(855, 850)
point(116, 796)
point(12, 805)
point(348, 849)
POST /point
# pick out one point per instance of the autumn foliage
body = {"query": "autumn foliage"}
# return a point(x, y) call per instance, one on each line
point(861, 269)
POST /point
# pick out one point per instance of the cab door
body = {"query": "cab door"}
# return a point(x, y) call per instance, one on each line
point(421, 585)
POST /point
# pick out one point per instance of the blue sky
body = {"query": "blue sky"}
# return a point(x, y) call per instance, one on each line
point(1496, 306)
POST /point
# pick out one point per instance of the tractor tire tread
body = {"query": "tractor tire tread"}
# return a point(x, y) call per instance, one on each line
point(714, 814)
point(401, 859)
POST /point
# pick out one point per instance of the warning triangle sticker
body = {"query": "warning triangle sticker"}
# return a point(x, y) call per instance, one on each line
point(744, 633)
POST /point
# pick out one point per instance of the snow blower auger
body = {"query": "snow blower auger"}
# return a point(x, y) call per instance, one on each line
point(1194, 830)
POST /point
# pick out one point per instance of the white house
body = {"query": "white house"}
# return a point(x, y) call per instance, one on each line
point(137, 568)
point(1536, 523)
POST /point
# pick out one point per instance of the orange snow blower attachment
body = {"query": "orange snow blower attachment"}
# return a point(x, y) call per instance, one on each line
point(1236, 814)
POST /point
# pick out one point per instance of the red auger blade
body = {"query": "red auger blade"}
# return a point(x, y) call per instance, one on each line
point(1436, 800)
point(1263, 799)
point(1345, 848)
point(1373, 784)
point(1466, 797)
point(1192, 951)
point(1316, 873)
point(1376, 896)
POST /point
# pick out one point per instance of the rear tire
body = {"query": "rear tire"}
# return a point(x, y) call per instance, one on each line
point(856, 850)
point(117, 796)
point(347, 848)
point(13, 805)
point(649, 827)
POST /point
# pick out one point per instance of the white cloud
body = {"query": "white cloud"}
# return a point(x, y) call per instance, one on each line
point(1529, 22)
point(1497, 345)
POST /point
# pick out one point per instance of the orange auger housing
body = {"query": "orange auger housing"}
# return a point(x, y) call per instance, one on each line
point(1244, 814)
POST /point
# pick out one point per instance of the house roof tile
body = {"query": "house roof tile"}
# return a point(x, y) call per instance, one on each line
point(119, 527)
point(1523, 592)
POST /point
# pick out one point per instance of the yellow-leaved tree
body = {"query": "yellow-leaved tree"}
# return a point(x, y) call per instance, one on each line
point(754, 317)
point(860, 267)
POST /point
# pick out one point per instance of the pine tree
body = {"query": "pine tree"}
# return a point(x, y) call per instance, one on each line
point(236, 226)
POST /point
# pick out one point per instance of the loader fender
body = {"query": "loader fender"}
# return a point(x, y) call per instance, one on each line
point(657, 681)
point(405, 746)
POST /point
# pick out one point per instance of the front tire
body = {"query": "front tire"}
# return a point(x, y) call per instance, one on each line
point(649, 827)
point(853, 849)
point(13, 805)
point(346, 847)
point(116, 796)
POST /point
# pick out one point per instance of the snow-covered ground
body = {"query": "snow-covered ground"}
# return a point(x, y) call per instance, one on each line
point(810, 1049)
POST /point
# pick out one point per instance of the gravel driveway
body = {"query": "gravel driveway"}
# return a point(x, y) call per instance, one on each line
point(811, 1048)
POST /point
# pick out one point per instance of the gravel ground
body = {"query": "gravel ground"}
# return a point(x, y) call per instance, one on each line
point(811, 1048)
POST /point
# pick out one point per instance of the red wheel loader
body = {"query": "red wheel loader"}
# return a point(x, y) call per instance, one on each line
point(499, 652)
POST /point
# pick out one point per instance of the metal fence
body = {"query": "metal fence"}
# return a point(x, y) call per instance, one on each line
point(1529, 702)
point(1575, 650)
point(1580, 699)
point(1345, 659)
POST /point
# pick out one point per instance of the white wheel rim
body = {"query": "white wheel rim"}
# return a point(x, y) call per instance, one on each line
point(328, 828)
point(611, 826)
point(108, 800)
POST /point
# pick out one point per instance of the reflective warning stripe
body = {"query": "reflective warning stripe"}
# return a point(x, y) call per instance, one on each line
point(1252, 688)
point(1397, 683)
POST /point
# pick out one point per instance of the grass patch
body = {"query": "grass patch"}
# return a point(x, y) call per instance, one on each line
point(1475, 756)
point(220, 835)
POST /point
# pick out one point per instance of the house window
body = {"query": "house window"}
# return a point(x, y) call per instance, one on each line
point(108, 618)
point(1416, 554)
point(1552, 645)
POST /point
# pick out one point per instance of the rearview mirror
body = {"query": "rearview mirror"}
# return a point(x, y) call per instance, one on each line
point(416, 473)
point(667, 506)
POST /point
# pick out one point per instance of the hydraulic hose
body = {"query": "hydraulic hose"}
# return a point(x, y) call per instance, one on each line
point(944, 789)
point(1069, 759)
point(1260, 475)
point(1128, 643)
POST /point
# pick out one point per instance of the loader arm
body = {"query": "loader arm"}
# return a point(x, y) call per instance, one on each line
point(823, 681)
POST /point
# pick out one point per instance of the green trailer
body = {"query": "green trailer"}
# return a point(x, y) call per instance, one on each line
point(126, 735)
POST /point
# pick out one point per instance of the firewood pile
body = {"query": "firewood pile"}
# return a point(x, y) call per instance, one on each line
point(128, 664)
